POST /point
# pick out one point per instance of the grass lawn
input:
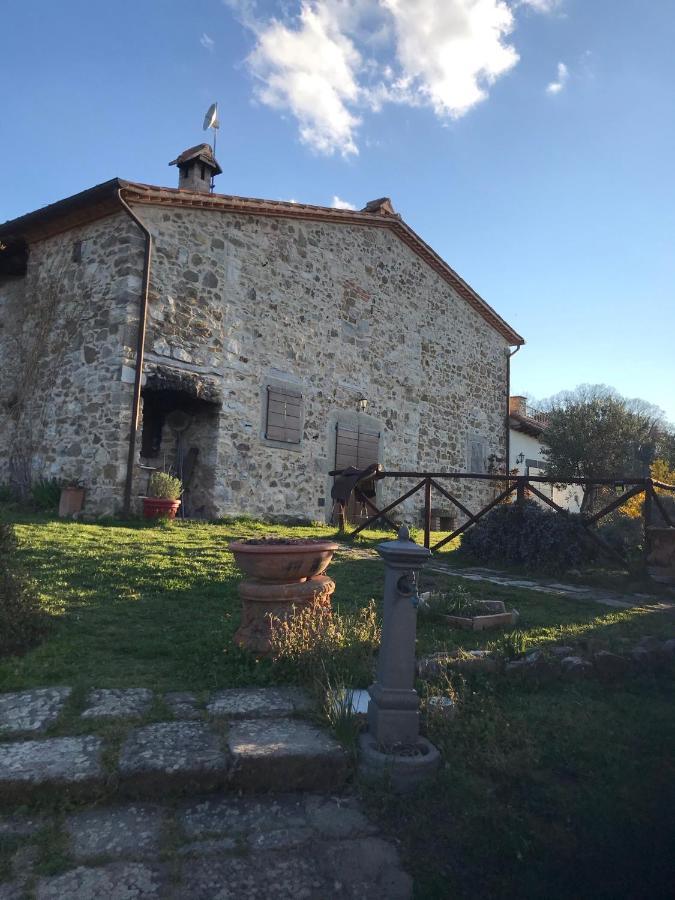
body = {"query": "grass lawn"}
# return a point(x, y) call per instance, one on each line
point(549, 790)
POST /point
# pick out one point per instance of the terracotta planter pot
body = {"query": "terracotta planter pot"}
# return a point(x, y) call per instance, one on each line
point(283, 563)
point(71, 501)
point(158, 508)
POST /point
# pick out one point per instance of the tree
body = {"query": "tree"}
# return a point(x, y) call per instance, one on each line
point(594, 432)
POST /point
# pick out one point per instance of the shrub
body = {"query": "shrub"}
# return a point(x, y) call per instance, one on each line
point(622, 533)
point(45, 494)
point(22, 622)
point(6, 493)
point(527, 536)
point(324, 649)
point(164, 486)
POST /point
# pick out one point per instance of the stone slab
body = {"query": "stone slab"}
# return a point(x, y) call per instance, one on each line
point(183, 705)
point(166, 755)
point(31, 711)
point(337, 817)
point(20, 825)
point(365, 869)
point(113, 703)
point(117, 881)
point(253, 703)
point(240, 816)
point(130, 832)
point(72, 763)
point(284, 754)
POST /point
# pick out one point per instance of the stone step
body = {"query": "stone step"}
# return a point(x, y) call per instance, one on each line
point(248, 740)
point(281, 846)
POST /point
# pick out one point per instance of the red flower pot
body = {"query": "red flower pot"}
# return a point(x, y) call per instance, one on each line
point(158, 508)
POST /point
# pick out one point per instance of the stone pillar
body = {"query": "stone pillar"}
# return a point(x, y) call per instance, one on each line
point(393, 716)
point(392, 744)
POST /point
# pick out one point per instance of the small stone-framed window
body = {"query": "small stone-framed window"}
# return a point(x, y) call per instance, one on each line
point(477, 453)
point(283, 417)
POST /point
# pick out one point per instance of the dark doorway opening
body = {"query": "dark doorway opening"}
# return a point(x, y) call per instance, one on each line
point(179, 435)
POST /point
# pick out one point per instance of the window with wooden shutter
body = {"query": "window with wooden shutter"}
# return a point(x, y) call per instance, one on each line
point(284, 415)
point(477, 453)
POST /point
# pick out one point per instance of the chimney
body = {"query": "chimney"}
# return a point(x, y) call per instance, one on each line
point(196, 167)
point(518, 405)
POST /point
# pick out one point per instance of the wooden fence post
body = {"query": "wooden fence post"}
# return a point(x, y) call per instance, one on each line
point(647, 515)
point(520, 495)
point(427, 513)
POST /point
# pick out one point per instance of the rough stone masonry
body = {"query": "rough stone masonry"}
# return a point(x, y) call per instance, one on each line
point(266, 324)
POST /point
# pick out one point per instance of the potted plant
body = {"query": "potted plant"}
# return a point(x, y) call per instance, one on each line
point(71, 500)
point(163, 498)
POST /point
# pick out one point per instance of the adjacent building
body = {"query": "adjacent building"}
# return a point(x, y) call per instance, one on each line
point(527, 442)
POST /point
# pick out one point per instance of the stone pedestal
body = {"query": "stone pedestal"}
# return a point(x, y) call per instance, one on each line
point(392, 741)
point(261, 601)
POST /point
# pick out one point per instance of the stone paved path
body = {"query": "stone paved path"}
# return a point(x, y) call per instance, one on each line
point(558, 589)
point(152, 831)
point(282, 847)
point(252, 739)
point(543, 586)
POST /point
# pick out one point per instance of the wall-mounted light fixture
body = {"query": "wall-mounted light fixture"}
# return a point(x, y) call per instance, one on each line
point(362, 404)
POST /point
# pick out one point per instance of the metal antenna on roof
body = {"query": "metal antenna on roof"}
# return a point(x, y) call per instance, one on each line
point(211, 121)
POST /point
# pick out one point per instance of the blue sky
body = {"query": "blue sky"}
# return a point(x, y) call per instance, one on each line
point(530, 142)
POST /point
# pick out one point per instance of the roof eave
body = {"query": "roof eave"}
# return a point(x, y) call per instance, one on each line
point(94, 203)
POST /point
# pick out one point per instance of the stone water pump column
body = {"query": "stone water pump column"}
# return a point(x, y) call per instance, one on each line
point(393, 741)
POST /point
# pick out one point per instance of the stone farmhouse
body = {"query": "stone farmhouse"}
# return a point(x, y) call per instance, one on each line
point(250, 345)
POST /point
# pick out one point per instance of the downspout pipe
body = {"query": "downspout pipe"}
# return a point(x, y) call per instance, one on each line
point(509, 354)
point(140, 350)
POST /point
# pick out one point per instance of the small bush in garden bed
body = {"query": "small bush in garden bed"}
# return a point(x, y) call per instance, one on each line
point(455, 601)
point(164, 486)
point(527, 536)
point(22, 622)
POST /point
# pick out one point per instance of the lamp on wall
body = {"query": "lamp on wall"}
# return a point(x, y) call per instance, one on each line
point(362, 404)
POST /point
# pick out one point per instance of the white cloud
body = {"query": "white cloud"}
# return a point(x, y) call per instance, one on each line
point(325, 62)
point(309, 67)
point(338, 203)
point(207, 42)
point(450, 51)
point(542, 6)
point(554, 87)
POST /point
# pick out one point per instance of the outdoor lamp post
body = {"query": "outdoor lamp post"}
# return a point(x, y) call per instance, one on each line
point(392, 742)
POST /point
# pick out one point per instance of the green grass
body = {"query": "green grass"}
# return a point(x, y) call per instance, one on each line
point(549, 789)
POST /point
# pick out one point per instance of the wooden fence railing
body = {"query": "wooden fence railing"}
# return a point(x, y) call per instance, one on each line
point(521, 485)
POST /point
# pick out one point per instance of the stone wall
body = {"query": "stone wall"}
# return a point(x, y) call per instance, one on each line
point(338, 312)
point(239, 302)
point(64, 408)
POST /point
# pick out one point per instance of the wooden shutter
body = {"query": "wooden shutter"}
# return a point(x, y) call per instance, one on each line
point(284, 415)
point(355, 448)
point(477, 457)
